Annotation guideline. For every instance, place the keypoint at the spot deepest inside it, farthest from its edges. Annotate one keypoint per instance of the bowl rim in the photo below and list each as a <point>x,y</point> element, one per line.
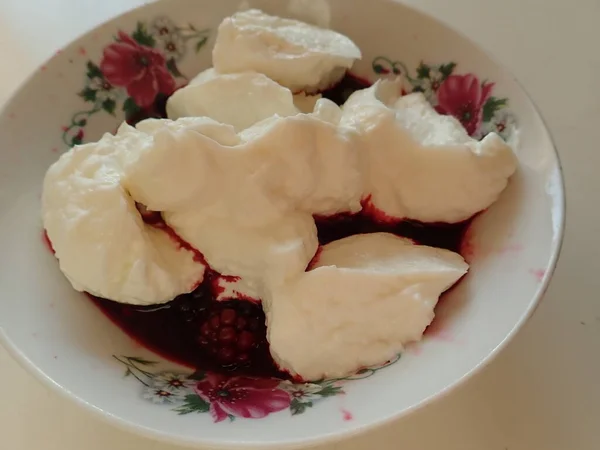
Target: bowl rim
<point>369,425</point>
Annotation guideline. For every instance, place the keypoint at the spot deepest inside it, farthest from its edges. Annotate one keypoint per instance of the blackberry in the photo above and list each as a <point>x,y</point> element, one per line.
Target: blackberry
<point>232,331</point>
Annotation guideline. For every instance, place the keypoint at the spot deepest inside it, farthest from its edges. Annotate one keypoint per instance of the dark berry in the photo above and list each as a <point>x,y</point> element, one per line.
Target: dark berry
<point>245,340</point>
<point>241,323</point>
<point>253,324</point>
<point>226,355</point>
<point>215,322</point>
<point>227,335</point>
<point>205,330</point>
<point>228,316</point>
<point>232,332</point>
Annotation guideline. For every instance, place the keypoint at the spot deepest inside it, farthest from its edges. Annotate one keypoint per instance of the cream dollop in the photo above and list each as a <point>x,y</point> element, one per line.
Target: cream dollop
<point>305,103</point>
<point>261,256</point>
<point>297,55</point>
<point>421,165</point>
<point>247,205</point>
<point>180,167</point>
<point>363,300</point>
<point>301,164</point>
<point>238,99</point>
<point>98,235</point>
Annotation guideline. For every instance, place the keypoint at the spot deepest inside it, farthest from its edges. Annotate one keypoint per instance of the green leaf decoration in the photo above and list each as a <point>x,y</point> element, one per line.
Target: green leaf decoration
<point>330,390</point>
<point>76,140</point>
<point>378,68</point>
<point>447,69</point>
<point>142,361</point>
<point>109,105</point>
<point>81,123</point>
<point>197,375</point>
<point>142,37</point>
<point>127,373</point>
<point>172,66</point>
<point>193,403</point>
<point>298,407</point>
<point>88,94</point>
<point>201,43</point>
<point>130,107</point>
<point>423,71</point>
<point>492,105</point>
<point>93,71</point>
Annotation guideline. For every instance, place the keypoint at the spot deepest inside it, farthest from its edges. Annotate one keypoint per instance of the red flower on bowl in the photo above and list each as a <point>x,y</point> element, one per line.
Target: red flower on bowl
<point>251,398</point>
<point>141,70</point>
<point>463,97</point>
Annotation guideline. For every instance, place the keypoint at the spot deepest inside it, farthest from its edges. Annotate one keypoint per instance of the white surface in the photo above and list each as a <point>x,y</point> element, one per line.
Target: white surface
<point>543,392</point>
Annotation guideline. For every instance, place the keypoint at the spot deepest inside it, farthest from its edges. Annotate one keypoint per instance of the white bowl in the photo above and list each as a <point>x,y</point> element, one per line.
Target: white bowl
<point>63,339</point>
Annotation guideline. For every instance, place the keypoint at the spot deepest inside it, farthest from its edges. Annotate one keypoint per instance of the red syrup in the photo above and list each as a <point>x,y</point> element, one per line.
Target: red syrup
<point>229,336</point>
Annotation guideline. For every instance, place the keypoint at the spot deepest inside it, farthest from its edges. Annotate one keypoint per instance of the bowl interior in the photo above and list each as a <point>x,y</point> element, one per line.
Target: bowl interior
<point>62,338</point>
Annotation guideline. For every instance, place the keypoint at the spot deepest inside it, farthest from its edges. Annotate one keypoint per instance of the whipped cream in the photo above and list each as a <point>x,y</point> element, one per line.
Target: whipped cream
<point>364,299</point>
<point>257,227</point>
<point>204,76</point>
<point>279,166</point>
<point>177,167</point>
<point>261,256</point>
<point>305,103</point>
<point>421,165</point>
<point>297,55</point>
<point>240,99</point>
<point>99,238</point>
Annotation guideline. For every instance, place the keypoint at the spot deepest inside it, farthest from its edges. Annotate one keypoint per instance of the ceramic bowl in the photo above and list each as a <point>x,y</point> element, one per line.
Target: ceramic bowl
<point>65,341</point>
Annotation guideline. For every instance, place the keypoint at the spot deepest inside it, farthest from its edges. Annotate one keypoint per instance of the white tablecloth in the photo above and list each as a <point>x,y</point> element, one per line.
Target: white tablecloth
<point>543,392</point>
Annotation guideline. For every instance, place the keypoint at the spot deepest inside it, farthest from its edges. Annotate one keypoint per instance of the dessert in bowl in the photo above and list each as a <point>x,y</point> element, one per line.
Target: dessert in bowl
<point>268,227</point>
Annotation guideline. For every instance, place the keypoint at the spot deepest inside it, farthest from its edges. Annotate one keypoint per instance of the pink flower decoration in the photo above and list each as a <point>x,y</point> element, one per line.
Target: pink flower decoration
<point>141,70</point>
<point>252,398</point>
<point>463,97</point>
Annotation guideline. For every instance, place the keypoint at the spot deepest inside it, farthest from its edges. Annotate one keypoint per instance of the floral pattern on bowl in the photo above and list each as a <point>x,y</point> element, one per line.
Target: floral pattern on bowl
<point>463,96</point>
<point>140,70</point>
<point>231,397</point>
<point>135,73</point>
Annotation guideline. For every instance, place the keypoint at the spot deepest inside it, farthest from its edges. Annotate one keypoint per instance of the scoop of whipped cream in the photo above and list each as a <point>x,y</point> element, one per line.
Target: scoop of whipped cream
<point>364,299</point>
<point>98,235</point>
<point>299,164</point>
<point>297,55</point>
<point>305,103</point>
<point>237,99</point>
<point>314,165</point>
<point>421,165</point>
<point>178,166</point>
<point>260,256</point>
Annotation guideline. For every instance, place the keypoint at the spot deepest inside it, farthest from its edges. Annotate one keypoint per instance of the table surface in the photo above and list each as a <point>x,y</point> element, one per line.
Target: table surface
<point>543,391</point>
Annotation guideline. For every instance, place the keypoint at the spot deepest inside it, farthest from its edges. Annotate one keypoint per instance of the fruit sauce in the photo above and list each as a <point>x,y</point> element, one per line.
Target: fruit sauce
<point>229,336</point>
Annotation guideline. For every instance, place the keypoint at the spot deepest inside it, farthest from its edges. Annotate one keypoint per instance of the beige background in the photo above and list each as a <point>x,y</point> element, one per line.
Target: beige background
<point>543,392</point>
